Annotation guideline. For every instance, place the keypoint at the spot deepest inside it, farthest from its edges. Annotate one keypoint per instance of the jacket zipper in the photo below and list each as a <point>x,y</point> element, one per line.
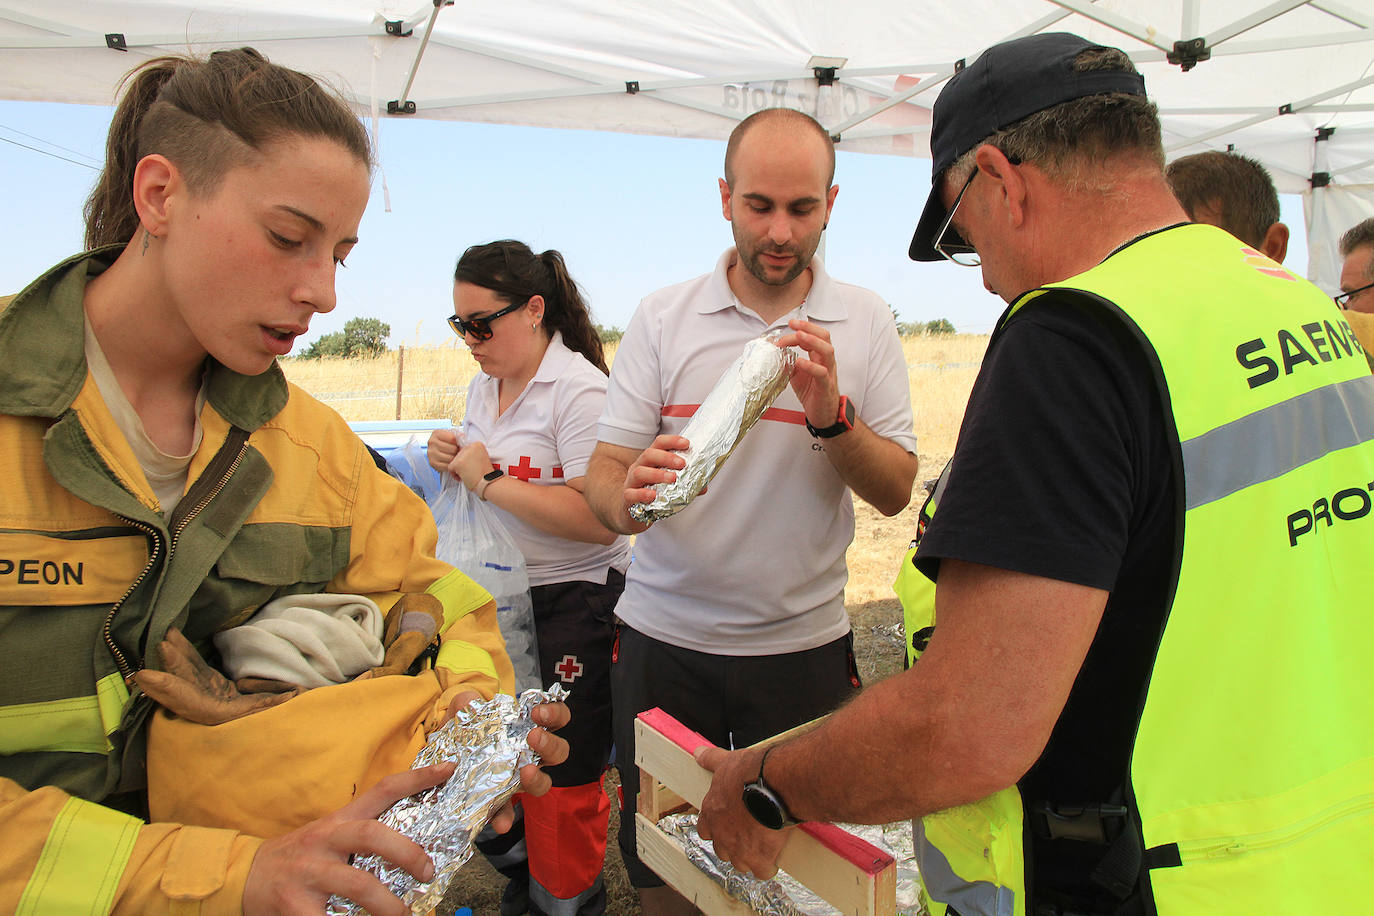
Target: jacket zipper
<point>125,668</point>
<point>179,524</point>
<point>1202,850</point>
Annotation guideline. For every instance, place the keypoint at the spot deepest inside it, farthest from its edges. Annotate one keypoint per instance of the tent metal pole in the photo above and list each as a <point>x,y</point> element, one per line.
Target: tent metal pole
<point>79,39</point>
<point>1352,168</point>
<point>1189,23</point>
<point>935,79</point>
<point>1240,48</point>
<point>1341,11</point>
<point>1136,30</point>
<point>1290,108</point>
<point>403,105</point>
<point>1255,19</point>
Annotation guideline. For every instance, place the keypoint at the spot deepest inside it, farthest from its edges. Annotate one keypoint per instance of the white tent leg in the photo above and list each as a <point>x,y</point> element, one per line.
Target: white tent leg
<point>402,105</point>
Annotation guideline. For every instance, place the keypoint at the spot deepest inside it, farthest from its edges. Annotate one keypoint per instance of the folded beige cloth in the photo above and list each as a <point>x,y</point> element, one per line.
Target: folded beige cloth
<point>308,640</point>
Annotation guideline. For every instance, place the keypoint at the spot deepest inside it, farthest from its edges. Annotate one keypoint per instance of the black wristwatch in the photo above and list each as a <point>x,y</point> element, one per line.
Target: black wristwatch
<point>843,424</point>
<point>764,804</point>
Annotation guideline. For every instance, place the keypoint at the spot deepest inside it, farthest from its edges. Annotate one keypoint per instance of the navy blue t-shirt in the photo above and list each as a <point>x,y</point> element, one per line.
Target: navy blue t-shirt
<point>1064,469</point>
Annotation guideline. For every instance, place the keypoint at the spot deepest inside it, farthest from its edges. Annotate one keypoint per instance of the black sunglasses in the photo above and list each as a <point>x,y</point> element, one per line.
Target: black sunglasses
<point>1343,300</point>
<point>480,328</point>
<point>948,241</point>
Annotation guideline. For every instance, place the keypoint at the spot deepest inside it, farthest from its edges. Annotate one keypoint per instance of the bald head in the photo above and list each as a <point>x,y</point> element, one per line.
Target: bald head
<point>781,126</point>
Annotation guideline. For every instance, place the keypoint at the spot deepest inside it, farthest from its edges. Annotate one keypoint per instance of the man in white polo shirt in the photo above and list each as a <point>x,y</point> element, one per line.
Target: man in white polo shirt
<point>733,614</point>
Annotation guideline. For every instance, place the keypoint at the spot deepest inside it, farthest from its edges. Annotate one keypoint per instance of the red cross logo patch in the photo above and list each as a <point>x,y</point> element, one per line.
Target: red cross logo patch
<point>569,669</point>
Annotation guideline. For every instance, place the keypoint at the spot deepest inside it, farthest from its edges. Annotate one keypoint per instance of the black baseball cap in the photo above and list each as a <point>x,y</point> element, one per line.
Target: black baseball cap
<point>1008,82</point>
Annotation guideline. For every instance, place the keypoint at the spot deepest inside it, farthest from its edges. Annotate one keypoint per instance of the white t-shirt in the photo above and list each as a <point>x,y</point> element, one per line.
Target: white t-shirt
<point>754,566</point>
<point>547,437</point>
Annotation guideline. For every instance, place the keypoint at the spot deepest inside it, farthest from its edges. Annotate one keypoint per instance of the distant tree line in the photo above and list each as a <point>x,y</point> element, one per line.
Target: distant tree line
<point>359,337</point>
<point>368,336</point>
<point>922,328</point>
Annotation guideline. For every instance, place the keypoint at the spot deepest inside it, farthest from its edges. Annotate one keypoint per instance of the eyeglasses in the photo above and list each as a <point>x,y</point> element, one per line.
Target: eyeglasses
<point>947,239</point>
<point>1343,300</point>
<point>480,328</point>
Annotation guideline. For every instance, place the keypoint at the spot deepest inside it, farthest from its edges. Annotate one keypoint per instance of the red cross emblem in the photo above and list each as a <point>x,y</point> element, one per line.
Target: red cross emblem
<point>524,470</point>
<point>569,669</point>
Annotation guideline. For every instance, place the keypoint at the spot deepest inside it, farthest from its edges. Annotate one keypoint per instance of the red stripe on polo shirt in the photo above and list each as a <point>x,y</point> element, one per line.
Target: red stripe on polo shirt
<point>777,414</point>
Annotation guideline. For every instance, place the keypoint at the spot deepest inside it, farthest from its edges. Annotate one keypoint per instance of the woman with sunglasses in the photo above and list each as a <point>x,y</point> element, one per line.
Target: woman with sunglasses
<point>528,432</point>
<point>161,474</point>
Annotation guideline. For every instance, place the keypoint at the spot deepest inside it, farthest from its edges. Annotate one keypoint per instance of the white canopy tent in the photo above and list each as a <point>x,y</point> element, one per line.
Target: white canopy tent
<point>1289,82</point>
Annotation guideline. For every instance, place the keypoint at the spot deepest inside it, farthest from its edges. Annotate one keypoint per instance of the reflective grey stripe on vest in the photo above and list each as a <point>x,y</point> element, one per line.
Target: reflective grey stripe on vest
<point>1271,442</point>
<point>970,898</point>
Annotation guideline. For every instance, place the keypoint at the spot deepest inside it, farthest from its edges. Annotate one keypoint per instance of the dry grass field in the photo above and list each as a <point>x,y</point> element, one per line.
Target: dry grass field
<point>433,383</point>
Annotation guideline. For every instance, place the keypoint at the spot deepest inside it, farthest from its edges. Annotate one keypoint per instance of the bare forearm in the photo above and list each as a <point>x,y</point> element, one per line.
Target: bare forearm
<point>558,510</point>
<point>605,491</point>
<point>878,470</point>
<point>889,755</point>
<point>969,718</point>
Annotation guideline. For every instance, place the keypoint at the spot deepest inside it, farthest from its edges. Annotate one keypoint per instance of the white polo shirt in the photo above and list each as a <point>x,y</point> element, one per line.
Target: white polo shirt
<point>547,437</point>
<point>754,566</point>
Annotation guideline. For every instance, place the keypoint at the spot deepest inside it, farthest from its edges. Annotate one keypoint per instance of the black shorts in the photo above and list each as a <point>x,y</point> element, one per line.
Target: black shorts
<point>731,700</point>
<point>574,624</point>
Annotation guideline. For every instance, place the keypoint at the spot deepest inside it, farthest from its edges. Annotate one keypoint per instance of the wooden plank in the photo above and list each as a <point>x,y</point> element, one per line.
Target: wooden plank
<point>852,875</point>
<point>663,747</point>
<point>655,800</point>
<point>661,853</point>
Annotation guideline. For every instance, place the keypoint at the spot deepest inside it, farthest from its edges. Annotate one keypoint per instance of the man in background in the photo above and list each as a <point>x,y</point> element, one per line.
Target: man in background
<point>733,615</point>
<point>1357,283</point>
<point>1232,192</point>
<point>1357,270</point>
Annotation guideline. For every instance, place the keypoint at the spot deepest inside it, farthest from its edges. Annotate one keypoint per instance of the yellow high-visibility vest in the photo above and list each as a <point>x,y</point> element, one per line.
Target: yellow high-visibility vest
<point>1251,777</point>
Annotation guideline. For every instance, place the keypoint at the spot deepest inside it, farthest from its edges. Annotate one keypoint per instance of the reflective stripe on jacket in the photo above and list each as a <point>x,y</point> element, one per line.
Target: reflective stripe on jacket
<point>1250,774</point>
<point>281,498</point>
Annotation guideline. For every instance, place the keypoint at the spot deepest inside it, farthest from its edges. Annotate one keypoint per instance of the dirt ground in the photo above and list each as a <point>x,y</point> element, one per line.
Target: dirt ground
<point>878,547</point>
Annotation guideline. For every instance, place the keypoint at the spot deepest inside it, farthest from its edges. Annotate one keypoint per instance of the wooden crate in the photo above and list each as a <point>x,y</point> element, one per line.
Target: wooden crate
<point>850,874</point>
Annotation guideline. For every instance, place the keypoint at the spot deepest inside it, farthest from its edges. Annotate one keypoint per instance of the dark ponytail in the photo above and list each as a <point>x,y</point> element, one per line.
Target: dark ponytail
<point>208,116</point>
<point>515,273</point>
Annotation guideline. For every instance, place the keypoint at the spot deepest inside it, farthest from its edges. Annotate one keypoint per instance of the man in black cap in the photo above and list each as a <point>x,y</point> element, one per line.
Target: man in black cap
<point>1167,456</point>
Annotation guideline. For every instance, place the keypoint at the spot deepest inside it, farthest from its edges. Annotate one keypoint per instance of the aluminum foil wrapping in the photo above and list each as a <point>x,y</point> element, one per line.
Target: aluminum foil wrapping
<point>487,741</point>
<point>783,895</point>
<point>740,396</point>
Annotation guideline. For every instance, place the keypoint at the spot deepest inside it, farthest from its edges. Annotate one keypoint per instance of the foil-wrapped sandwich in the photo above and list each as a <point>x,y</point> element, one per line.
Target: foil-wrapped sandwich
<point>487,742</point>
<point>740,396</point>
<point>783,895</point>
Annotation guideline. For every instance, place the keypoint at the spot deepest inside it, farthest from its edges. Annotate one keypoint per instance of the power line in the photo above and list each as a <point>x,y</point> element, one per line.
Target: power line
<point>35,149</point>
<point>65,149</point>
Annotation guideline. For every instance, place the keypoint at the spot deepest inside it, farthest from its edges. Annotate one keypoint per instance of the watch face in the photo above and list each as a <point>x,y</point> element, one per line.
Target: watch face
<point>763,806</point>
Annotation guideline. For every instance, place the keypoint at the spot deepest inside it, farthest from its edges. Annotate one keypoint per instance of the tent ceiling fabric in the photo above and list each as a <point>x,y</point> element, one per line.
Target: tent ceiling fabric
<point>1278,71</point>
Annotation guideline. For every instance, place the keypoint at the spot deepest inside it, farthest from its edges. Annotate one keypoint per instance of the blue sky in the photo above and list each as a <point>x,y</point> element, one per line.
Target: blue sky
<point>630,213</point>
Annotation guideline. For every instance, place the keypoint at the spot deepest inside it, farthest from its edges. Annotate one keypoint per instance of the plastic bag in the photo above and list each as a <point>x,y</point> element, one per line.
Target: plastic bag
<point>473,538</point>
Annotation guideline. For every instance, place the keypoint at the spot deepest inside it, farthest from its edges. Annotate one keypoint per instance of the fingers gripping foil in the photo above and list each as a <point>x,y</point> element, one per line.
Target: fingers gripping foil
<point>740,396</point>
<point>487,742</point>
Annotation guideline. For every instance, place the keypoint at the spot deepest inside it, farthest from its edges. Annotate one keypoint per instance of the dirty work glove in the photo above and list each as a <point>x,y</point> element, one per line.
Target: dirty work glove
<point>191,689</point>
<point>411,625</point>
<point>265,685</point>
